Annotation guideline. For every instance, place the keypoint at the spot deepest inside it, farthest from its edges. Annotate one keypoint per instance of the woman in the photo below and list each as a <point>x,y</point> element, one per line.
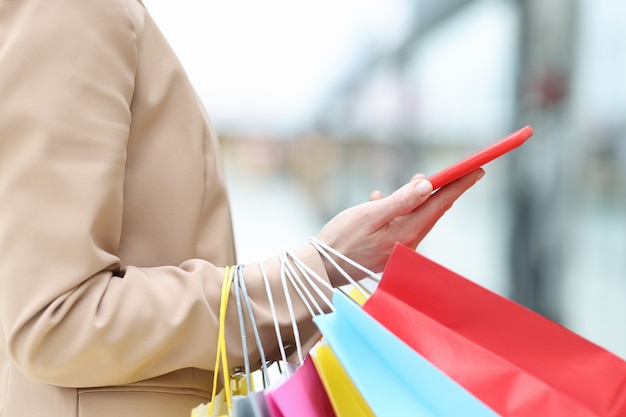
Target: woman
<point>114,220</point>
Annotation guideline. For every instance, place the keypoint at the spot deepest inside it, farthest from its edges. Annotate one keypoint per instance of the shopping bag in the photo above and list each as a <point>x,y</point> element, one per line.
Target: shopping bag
<point>216,408</point>
<point>514,360</point>
<point>254,404</point>
<point>392,378</point>
<point>346,399</point>
<point>302,395</point>
<point>221,403</point>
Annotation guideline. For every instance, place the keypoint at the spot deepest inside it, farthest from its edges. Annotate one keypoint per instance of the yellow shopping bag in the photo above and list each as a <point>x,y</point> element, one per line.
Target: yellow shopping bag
<point>346,400</point>
<point>358,296</point>
<point>220,408</point>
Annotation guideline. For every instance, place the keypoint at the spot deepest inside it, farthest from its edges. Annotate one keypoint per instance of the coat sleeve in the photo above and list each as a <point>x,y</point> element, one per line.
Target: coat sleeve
<point>71,313</point>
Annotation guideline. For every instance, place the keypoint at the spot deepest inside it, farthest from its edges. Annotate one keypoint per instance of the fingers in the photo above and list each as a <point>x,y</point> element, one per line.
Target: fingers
<point>441,201</point>
<point>403,201</point>
<point>376,195</point>
<point>368,231</point>
<point>459,186</point>
<point>419,176</point>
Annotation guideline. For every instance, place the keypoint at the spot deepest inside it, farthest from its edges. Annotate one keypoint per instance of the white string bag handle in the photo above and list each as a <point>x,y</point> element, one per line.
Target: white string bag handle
<point>292,314</point>
<point>246,403</point>
<point>268,290</point>
<point>244,290</point>
<point>242,327</point>
<point>297,282</point>
<point>289,274</point>
<point>307,273</point>
<point>288,271</point>
<point>324,250</point>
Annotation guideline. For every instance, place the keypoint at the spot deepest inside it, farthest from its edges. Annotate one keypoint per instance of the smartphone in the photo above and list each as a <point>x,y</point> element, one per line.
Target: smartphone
<point>480,158</point>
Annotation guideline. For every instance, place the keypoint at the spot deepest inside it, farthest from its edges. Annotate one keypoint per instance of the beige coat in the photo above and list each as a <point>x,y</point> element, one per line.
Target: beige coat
<point>114,220</point>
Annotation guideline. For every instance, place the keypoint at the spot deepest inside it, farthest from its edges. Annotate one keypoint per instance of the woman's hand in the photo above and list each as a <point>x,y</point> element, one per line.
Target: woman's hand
<point>367,233</point>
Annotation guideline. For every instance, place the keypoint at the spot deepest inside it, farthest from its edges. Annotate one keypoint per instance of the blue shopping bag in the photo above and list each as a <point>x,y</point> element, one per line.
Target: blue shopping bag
<point>392,377</point>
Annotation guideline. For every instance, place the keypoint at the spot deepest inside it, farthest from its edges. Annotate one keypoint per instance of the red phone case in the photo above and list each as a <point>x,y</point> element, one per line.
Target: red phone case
<point>480,158</point>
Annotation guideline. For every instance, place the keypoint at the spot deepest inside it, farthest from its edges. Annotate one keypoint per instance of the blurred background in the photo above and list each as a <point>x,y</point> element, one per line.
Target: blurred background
<point>318,103</point>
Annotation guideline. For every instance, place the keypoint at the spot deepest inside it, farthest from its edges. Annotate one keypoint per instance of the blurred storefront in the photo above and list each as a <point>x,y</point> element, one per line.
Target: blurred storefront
<point>319,103</point>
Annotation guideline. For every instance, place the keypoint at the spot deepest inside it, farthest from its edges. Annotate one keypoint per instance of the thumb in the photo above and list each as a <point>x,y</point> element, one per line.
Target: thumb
<point>376,195</point>
<point>402,201</point>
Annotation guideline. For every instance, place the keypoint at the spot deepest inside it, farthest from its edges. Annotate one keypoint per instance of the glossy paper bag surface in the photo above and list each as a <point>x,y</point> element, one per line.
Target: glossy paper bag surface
<point>345,398</point>
<point>393,379</point>
<point>301,395</point>
<point>516,361</point>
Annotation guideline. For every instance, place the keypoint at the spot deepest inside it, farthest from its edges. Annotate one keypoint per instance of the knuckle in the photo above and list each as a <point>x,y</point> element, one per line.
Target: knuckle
<point>445,204</point>
<point>404,202</point>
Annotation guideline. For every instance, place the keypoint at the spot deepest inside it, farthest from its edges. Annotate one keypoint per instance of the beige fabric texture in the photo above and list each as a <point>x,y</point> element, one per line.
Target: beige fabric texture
<point>114,220</point>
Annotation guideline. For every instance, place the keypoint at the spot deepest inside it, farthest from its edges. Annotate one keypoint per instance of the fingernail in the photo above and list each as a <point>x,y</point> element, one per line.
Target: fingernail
<point>424,187</point>
<point>480,175</point>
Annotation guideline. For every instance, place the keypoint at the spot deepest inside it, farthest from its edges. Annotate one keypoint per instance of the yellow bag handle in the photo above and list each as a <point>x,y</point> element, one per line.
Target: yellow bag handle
<point>221,341</point>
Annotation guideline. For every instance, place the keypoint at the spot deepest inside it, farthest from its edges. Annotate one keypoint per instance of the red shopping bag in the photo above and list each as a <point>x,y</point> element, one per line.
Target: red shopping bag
<point>517,362</point>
